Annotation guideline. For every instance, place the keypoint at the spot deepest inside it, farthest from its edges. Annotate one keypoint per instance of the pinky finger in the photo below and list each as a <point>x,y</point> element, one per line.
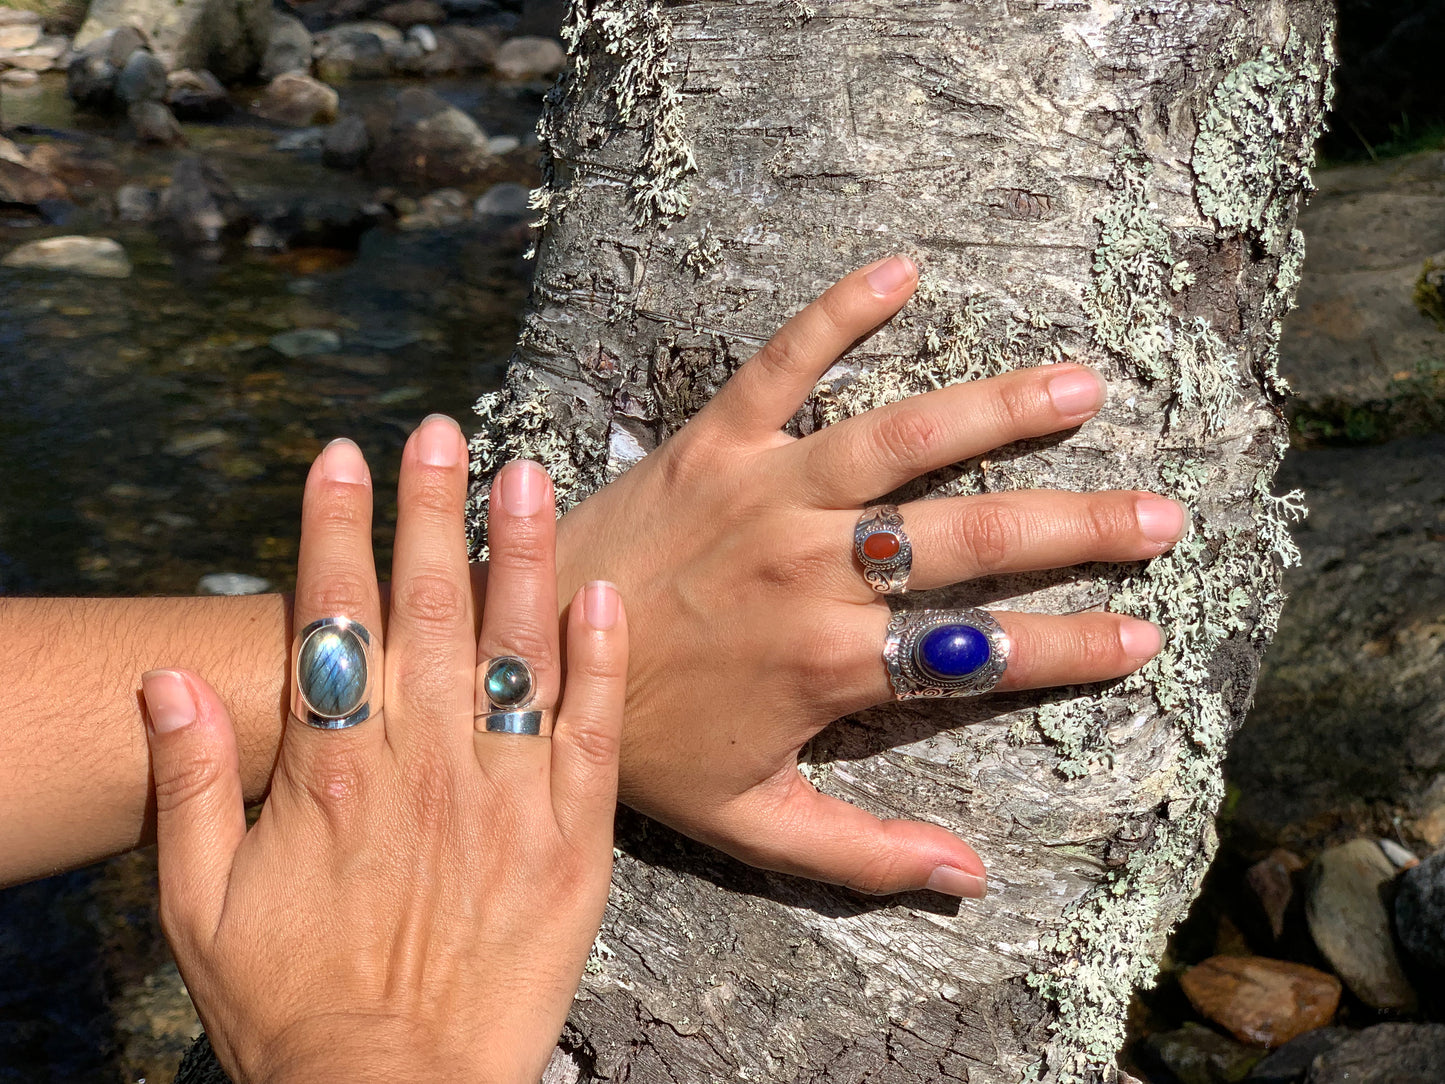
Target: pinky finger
<point>1045,651</point>
<point>588,735</point>
<point>200,810</point>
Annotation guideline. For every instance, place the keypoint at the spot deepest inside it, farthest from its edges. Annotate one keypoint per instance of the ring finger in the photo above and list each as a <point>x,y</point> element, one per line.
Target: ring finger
<point>335,578</point>
<point>955,539</point>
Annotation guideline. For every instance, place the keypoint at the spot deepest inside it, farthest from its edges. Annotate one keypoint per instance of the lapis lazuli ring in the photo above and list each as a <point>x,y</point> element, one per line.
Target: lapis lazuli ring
<point>334,674</point>
<point>508,688</point>
<point>883,549</point>
<point>934,653</point>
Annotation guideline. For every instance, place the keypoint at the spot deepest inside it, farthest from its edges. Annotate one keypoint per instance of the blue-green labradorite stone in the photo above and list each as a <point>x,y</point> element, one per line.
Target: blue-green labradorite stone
<point>509,684</point>
<point>332,672</point>
<point>952,652</point>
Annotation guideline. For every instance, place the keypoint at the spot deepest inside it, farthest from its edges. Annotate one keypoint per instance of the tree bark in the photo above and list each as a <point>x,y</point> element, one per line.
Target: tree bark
<point>1109,181</point>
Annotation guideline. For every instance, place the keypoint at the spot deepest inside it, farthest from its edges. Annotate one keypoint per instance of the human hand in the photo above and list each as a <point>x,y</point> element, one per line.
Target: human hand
<point>418,898</point>
<point>735,541</point>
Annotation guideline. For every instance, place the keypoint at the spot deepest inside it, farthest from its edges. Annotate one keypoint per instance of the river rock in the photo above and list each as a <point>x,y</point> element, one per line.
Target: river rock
<point>408,13</point>
<point>1261,1001</point>
<point>428,141</point>
<point>1348,919</point>
<point>346,143</point>
<point>1272,881</point>
<point>1430,814</point>
<point>529,58</point>
<point>226,37</point>
<point>154,123</point>
<point>505,201</point>
<point>142,79</point>
<point>28,187</point>
<point>23,35</point>
<point>424,36</point>
<point>51,51</point>
<point>1194,1055</point>
<point>289,49</point>
<point>1385,1054</point>
<point>346,52</point>
<point>197,96</point>
<point>99,257</point>
<point>16,77</point>
<point>1290,1063</point>
<point>297,100</point>
<point>136,203</point>
<point>200,207</point>
<point>1420,914</point>
<point>232,583</point>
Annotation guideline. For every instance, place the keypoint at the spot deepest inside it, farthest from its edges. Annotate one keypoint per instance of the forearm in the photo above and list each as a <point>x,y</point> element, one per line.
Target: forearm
<point>74,767</point>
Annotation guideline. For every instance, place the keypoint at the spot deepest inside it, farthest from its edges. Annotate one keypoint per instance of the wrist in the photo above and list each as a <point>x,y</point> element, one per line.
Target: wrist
<point>348,1050</point>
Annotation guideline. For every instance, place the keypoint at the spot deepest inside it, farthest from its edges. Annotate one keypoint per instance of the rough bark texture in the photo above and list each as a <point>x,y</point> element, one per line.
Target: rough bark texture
<point>1110,182</point>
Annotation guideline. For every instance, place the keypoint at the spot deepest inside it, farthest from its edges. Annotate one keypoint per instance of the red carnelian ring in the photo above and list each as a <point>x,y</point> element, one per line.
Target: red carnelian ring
<point>883,549</point>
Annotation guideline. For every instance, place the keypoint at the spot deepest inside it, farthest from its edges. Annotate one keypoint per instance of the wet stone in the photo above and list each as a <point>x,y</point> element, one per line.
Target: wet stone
<point>98,257</point>
<point>1420,914</point>
<point>1259,1000</point>
<point>305,342</point>
<point>1385,1054</point>
<point>1290,1063</point>
<point>232,583</point>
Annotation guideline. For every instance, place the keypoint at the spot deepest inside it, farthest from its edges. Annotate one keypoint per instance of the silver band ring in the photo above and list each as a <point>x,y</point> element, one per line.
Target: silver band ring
<point>938,653</point>
<point>333,674</point>
<point>507,689</point>
<point>883,549</point>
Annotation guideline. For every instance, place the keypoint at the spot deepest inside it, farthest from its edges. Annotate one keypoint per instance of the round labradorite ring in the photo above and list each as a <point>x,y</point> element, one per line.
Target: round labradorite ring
<point>883,549</point>
<point>333,674</point>
<point>508,686</point>
<point>935,653</point>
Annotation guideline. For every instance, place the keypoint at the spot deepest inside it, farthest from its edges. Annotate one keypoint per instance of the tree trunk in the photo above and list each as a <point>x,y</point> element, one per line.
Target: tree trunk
<point>1110,182</point>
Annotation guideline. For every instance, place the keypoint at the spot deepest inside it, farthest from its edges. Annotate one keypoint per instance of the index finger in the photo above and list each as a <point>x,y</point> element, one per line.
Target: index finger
<point>770,387</point>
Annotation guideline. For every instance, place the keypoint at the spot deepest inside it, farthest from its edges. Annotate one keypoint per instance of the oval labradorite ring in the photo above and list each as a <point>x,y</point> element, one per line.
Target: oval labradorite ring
<point>333,674</point>
<point>935,653</point>
<point>508,686</point>
<point>883,549</point>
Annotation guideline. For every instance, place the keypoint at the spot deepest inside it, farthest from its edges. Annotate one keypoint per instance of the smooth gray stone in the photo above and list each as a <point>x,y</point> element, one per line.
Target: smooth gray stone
<point>306,342</point>
<point>1420,915</point>
<point>1385,1054</point>
<point>232,583</point>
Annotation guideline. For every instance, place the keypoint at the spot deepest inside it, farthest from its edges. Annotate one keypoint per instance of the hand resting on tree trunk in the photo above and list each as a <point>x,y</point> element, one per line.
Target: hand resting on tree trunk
<point>753,627</point>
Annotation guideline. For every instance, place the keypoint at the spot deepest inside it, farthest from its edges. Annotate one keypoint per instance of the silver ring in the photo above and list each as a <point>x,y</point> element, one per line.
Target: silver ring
<point>333,674</point>
<point>508,687</point>
<point>936,653</point>
<point>883,549</point>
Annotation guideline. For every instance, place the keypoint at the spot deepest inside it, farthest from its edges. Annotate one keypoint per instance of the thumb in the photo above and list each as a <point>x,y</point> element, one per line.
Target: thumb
<point>200,809</point>
<point>812,835</point>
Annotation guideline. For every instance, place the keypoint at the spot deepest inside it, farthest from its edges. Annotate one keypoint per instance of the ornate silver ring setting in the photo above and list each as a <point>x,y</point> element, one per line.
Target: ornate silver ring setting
<point>883,549</point>
<point>935,653</point>
<point>333,674</point>
<point>508,687</point>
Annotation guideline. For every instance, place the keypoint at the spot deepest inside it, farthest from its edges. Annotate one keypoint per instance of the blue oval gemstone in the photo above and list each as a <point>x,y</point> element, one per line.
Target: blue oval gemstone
<point>952,652</point>
<point>331,670</point>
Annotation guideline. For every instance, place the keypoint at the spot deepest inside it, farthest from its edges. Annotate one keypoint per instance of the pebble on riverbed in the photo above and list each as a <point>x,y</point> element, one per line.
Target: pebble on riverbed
<point>298,101</point>
<point>99,257</point>
<point>1261,1001</point>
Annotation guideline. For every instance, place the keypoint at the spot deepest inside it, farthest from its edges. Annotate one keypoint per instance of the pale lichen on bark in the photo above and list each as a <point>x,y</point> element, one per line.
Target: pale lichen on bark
<point>1037,165</point>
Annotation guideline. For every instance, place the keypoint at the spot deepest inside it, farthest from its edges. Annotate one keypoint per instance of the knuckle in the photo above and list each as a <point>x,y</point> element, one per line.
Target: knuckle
<point>339,591</point>
<point>597,741</point>
<point>1107,521</point>
<point>339,511</point>
<point>185,782</point>
<point>784,355</point>
<point>991,536</point>
<point>1019,404</point>
<point>903,432</point>
<point>434,492</point>
<point>527,641</point>
<point>1098,647</point>
<point>877,875</point>
<point>432,598</point>
<point>833,309</point>
<point>430,791</point>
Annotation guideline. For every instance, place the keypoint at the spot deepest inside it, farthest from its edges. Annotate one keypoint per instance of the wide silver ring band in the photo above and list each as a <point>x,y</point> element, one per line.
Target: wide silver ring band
<point>335,665</point>
<point>904,651</point>
<point>882,524</point>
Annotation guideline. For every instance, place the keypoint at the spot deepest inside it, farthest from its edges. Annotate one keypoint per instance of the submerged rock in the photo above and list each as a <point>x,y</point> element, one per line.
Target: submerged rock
<point>1261,1001</point>
<point>154,123</point>
<point>428,141</point>
<point>346,143</point>
<point>197,96</point>
<point>298,101</point>
<point>1420,914</point>
<point>28,187</point>
<point>289,48</point>
<point>1350,924</point>
<point>200,207</point>
<point>99,257</point>
<point>305,342</point>
<point>142,79</point>
<point>232,583</point>
<point>506,200</point>
<point>1385,1054</point>
<point>408,13</point>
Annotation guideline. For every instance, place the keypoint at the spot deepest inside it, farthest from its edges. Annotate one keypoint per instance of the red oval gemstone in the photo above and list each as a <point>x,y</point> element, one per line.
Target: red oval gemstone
<point>881,546</point>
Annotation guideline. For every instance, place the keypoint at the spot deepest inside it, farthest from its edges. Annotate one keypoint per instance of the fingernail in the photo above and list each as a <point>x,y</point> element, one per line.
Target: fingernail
<point>599,605</point>
<point>169,705</point>
<point>1140,639</point>
<point>342,461</point>
<point>523,487</point>
<point>1080,391</point>
<point>889,275</point>
<point>1160,519</point>
<point>954,882</point>
<point>438,442</point>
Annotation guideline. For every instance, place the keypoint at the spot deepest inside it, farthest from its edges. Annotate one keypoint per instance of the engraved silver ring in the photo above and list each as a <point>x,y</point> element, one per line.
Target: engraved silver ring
<point>883,549</point>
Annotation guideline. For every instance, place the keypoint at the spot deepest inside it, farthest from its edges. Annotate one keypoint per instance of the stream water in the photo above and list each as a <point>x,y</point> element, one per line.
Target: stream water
<point>151,433</point>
